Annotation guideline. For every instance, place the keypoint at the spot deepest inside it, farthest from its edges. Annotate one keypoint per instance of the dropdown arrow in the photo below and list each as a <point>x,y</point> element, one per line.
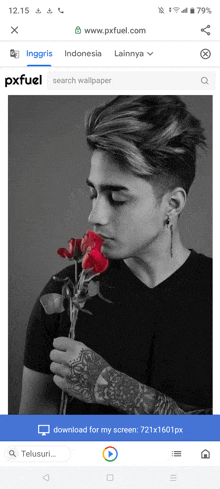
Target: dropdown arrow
<point>150,53</point>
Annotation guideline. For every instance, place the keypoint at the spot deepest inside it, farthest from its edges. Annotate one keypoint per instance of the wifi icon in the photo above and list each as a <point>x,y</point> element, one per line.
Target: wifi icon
<point>176,9</point>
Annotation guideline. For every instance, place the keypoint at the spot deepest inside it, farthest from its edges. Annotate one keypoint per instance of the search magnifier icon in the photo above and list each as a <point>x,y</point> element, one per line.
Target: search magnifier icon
<point>205,80</point>
<point>12,453</point>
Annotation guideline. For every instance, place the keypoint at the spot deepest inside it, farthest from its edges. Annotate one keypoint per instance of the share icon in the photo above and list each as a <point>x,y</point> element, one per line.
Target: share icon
<point>204,30</point>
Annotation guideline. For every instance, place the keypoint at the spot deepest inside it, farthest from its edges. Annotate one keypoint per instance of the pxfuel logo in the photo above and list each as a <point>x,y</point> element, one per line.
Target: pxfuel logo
<point>23,79</point>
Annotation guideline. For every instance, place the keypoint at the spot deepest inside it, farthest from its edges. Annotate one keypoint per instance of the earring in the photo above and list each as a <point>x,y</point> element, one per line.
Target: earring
<point>167,222</point>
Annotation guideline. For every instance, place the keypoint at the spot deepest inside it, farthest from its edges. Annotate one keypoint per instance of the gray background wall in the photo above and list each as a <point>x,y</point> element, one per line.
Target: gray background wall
<point>48,200</point>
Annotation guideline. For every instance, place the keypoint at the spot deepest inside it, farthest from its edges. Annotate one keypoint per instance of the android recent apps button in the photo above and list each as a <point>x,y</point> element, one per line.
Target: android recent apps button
<point>110,454</point>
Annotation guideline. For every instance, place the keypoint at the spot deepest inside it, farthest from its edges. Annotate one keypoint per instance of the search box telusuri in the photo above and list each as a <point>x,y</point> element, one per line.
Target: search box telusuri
<point>37,453</point>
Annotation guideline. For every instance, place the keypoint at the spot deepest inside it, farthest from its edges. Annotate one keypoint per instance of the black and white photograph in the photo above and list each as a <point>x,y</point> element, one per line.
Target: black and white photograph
<point>110,254</point>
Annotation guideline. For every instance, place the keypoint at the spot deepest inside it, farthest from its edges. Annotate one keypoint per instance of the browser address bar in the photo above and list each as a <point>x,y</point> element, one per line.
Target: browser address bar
<point>119,80</point>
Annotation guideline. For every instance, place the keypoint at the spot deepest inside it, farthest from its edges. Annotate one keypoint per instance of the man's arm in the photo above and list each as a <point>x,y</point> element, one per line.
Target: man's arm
<point>39,393</point>
<point>84,374</point>
<point>128,395</point>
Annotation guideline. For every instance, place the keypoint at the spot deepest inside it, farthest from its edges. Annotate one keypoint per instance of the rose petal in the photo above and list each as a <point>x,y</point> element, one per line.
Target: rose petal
<point>71,245</point>
<point>64,253</point>
<point>95,260</point>
<point>91,240</point>
<point>78,244</point>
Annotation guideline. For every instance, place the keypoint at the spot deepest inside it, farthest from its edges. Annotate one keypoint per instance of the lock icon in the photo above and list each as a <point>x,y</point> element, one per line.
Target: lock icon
<point>77,30</point>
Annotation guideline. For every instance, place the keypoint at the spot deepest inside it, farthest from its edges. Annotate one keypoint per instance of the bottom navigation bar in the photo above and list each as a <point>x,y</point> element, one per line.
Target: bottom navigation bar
<point>111,477</point>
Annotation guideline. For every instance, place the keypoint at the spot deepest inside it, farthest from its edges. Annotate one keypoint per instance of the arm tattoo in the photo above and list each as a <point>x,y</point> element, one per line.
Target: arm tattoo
<point>124,393</point>
<point>84,372</point>
<point>130,396</point>
<point>166,405</point>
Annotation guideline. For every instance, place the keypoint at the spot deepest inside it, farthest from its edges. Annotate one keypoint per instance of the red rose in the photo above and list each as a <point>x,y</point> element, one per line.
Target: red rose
<point>74,251</point>
<point>91,240</point>
<point>95,260</point>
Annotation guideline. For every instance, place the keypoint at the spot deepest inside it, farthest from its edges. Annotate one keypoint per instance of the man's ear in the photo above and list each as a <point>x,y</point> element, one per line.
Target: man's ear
<point>177,202</point>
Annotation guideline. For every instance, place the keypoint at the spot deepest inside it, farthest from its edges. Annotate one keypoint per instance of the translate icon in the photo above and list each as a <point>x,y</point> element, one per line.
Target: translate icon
<point>43,429</point>
<point>14,53</point>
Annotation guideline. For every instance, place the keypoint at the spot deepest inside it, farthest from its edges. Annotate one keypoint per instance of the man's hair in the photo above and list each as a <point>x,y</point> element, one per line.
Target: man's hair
<point>155,137</point>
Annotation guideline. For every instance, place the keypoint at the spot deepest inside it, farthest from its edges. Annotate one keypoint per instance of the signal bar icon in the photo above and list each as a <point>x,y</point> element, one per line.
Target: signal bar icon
<point>185,11</point>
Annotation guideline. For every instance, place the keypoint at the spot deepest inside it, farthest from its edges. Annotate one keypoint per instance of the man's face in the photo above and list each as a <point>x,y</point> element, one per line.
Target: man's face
<point>124,209</point>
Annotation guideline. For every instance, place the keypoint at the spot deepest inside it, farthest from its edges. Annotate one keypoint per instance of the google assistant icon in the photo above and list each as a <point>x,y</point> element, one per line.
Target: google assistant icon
<point>110,454</point>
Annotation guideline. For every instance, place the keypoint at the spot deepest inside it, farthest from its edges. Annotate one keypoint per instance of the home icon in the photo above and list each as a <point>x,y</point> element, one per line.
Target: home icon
<point>205,454</point>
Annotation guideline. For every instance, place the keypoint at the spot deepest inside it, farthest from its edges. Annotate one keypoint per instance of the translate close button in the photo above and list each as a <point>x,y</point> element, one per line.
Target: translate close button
<point>205,53</point>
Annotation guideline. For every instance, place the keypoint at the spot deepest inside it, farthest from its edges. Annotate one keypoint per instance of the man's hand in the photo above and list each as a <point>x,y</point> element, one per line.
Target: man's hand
<point>87,376</point>
<point>84,374</point>
<point>76,368</point>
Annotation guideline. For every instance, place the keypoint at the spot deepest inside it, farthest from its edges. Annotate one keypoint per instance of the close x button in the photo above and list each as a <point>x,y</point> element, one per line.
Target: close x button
<point>14,30</point>
<point>205,54</point>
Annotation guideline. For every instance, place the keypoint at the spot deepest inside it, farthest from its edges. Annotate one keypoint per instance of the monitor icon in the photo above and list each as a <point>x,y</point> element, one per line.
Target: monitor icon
<point>43,429</point>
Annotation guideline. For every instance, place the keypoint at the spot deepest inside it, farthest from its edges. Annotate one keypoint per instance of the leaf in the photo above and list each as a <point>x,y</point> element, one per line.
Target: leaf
<point>52,303</point>
<point>93,288</point>
<point>104,298</point>
<point>88,312</point>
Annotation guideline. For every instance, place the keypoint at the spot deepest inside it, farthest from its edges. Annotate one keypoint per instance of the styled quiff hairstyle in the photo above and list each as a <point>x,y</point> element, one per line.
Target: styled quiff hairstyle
<point>154,137</point>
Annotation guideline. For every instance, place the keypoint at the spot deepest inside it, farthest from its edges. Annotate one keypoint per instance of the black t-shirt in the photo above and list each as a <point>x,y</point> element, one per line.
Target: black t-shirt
<point>160,336</point>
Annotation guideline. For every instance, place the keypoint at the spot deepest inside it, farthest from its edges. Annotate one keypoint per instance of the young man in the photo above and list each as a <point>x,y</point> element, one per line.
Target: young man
<point>149,351</point>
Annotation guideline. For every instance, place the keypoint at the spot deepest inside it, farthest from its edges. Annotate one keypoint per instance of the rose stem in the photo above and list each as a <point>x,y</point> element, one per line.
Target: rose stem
<point>73,319</point>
